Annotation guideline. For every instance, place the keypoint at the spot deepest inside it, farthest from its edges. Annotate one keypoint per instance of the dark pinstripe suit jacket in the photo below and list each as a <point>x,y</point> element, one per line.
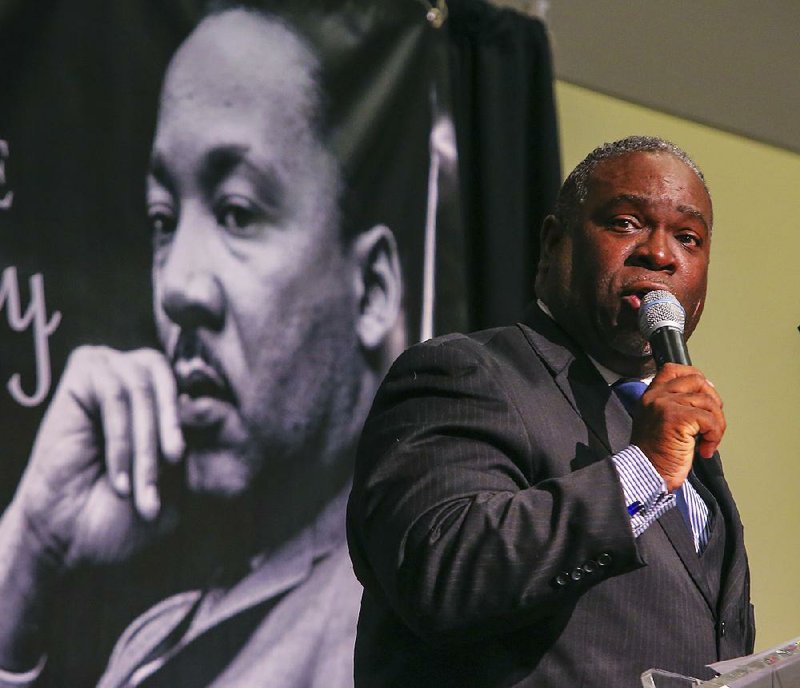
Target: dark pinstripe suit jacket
<point>482,475</point>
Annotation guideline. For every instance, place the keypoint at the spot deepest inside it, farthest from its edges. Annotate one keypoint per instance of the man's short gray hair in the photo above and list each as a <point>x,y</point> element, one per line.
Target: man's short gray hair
<point>575,189</point>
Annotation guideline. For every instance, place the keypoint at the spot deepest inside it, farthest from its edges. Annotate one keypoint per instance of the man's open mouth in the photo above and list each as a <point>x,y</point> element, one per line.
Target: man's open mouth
<point>197,371</point>
<point>633,294</point>
<point>196,379</point>
<point>204,395</point>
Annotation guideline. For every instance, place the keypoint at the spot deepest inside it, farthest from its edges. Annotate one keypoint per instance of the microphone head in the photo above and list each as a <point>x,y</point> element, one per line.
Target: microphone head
<point>660,309</point>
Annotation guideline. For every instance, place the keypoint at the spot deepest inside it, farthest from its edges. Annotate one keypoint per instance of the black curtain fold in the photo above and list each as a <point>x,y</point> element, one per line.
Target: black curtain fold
<point>509,162</point>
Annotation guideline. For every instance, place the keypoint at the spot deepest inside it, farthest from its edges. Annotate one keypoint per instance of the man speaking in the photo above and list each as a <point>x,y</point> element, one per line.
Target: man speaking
<point>519,516</point>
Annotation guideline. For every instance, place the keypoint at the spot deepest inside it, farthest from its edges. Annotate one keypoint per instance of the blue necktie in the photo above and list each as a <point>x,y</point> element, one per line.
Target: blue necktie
<point>629,393</point>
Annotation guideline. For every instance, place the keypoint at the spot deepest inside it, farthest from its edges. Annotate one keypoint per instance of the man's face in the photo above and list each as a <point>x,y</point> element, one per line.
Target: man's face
<point>646,224</point>
<point>253,288</point>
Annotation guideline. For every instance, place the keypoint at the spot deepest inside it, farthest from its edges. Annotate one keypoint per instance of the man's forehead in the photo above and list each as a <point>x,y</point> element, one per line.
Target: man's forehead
<point>642,165</point>
<point>650,175</point>
<point>240,77</point>
<point>241,53</point>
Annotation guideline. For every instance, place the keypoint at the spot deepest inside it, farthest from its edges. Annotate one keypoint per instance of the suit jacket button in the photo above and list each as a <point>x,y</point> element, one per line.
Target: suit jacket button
<point>604,559</point>
<point>721,629</point>
<point>562,579</point>
<point>590,566</point>
<point>576,574</point>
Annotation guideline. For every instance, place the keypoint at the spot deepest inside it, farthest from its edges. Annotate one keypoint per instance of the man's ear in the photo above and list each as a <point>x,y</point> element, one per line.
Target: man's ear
<point>379,285</point>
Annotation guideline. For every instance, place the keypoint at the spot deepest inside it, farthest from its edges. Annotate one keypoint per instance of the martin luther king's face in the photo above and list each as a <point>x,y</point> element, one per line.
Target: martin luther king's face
<point>253,287</point>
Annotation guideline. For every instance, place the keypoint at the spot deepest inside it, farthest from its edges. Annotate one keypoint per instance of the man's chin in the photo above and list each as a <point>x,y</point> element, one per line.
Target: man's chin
<point>633,347</point>
<point>626,339</point>
<point>630,355</point>
<point>217,473</point>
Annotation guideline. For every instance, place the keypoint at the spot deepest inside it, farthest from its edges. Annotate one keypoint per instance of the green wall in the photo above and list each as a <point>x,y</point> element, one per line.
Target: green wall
<point>747,342</point>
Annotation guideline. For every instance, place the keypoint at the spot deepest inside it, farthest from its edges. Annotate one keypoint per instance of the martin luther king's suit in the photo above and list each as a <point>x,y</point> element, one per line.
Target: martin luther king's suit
<point>488,526</point>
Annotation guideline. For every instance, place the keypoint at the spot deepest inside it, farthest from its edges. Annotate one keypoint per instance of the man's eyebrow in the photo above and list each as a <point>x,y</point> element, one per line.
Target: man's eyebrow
<point>642,201</point>
<point>215,165</point>
<point>219,162</point>
<point>694,212</point>
<point>623,198</point>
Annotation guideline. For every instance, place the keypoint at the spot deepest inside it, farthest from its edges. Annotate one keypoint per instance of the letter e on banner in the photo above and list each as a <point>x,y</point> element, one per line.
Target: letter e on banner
<point>7,198</point>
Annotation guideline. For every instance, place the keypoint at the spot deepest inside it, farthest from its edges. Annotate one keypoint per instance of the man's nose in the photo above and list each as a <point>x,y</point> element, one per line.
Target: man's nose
<point>655,251</point>
<point>190,291</point>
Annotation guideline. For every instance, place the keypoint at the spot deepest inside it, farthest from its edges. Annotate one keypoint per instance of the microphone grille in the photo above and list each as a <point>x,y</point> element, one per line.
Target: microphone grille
<point>660,309</point>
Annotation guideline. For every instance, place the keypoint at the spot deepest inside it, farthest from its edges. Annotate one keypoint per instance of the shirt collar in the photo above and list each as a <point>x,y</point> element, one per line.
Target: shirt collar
<point>273,573</point>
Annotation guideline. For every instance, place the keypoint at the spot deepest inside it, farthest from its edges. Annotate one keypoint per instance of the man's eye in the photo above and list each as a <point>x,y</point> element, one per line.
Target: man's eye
<point>622,223</point>
<point>236,215</point>
<point>161,220</point>
<point>689,239</point>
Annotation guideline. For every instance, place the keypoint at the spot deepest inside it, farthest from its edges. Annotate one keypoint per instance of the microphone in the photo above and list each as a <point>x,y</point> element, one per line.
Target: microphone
<point>661,320</point>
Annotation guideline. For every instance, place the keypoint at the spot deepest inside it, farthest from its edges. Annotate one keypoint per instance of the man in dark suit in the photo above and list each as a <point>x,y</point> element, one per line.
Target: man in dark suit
<point>512,523</point>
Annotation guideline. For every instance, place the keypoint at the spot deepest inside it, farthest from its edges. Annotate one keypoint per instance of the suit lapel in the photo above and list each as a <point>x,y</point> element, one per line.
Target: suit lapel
<point>680,538</point>
<point>734,573</point>
<point>579,381</point>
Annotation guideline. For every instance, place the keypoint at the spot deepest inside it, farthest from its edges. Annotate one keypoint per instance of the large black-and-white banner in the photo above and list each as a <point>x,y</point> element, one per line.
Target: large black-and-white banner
<point>219,224</point>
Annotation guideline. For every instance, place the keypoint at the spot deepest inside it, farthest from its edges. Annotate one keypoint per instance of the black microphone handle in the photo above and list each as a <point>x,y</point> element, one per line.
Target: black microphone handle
<point>669,346</point>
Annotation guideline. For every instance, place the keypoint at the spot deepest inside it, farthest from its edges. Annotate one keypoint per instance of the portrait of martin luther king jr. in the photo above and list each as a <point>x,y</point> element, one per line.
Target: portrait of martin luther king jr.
<point>279,306</point>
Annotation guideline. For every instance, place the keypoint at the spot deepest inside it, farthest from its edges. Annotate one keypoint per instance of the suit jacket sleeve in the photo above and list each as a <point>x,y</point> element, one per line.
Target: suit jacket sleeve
<point>462,516</point>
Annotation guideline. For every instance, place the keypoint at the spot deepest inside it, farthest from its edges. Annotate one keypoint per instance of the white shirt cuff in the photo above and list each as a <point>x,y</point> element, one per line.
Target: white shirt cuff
<point>646,495</point>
